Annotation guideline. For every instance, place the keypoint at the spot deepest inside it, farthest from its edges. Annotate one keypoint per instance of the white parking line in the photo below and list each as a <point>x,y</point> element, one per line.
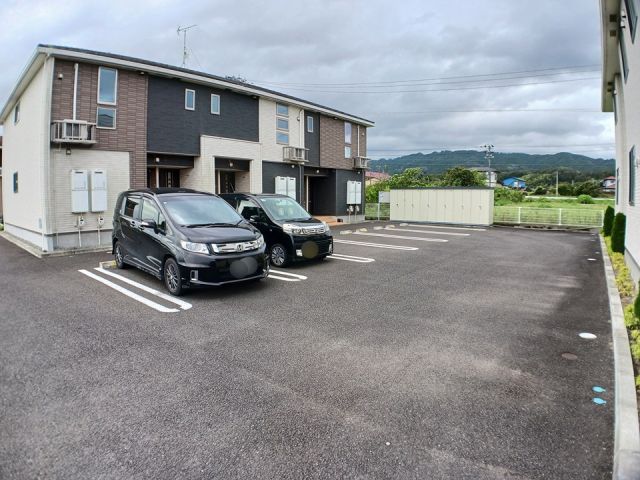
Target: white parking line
<point>351,258</point>
<point>128,293</point>
<point>402,237</point>
<point>442,226</point>
<point>455,234</point>
<point>375,245</point>
<point>182,304</point>
<point>286,276</point>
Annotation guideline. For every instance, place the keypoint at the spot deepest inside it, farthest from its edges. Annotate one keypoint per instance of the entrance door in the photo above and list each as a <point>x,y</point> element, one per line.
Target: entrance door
<point>163,177</point>
<point>226,182</point>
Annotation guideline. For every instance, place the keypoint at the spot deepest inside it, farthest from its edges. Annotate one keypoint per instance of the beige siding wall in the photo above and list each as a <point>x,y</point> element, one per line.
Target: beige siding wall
<point>25,147</point>
<point>202,176</point>
<point>130,134</point>
<point>271,150</point>
<point>116,165</point>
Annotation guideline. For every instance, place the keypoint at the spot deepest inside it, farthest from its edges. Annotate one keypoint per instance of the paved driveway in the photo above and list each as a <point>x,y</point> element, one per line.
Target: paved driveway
<point>406,357</point>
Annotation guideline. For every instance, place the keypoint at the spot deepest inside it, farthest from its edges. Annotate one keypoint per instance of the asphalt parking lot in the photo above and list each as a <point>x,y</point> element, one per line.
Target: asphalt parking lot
<point>417,352</point>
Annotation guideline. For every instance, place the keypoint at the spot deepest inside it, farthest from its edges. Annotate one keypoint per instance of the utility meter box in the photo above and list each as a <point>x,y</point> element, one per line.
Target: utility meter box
<point>286,186</point>
<point>79,191</point>
<point>354,193</point>
<point>98,190</point>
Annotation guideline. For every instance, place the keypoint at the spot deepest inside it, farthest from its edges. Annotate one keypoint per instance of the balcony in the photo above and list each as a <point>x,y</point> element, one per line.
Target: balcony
<point>73,131</point>
<point>296,154</point>
<point>360,163</point>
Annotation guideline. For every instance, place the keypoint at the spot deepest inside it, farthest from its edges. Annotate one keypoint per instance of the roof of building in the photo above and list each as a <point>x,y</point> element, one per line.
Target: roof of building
<point>514,178</point>
<point>609,27</point>
<point>160,69</point>
<point>609,178</point>
<point>378,175</point>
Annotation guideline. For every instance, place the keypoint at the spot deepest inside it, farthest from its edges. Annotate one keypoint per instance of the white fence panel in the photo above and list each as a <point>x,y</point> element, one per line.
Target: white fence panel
<point>466,206</point>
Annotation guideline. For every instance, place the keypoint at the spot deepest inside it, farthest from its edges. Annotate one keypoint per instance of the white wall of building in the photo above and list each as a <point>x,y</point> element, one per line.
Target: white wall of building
<point>25,151</point>
<point>628,136</point>
<point>271,150</point>
<point>202,177</point>
<point>116,165</point>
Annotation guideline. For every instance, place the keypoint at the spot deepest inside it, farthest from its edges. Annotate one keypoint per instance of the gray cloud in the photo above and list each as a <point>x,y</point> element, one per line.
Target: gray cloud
<point>348,41</point>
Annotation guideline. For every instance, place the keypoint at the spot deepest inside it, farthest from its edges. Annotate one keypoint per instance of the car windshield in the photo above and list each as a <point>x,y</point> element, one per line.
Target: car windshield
<point>284,208</point>
<point>200,210</point>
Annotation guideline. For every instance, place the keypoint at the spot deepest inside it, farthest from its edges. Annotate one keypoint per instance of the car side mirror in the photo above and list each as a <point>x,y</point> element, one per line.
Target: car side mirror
<point>254,218</point>
<point>150,224</point>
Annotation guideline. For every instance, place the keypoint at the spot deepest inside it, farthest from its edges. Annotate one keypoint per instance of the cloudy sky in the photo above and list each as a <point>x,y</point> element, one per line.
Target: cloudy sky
<point>433,75</point>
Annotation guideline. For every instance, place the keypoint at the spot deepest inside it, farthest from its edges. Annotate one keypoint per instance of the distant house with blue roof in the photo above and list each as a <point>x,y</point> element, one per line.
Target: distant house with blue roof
<point>514,182</point>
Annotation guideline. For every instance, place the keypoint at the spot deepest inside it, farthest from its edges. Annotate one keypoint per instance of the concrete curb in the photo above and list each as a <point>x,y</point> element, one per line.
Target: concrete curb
<point>626,453</point>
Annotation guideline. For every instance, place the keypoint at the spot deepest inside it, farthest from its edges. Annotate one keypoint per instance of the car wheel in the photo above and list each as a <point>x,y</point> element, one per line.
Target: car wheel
<point>119,256</point>
<point>172,279</point>
<point>279,256</point>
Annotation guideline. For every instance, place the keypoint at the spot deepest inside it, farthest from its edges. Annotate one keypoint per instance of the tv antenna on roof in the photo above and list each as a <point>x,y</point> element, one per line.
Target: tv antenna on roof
<point>183,31</point>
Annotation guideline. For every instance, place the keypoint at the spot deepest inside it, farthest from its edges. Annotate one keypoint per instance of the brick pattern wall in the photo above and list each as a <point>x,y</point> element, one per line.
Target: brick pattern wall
<point>130,134</point>
<point>332,143</point>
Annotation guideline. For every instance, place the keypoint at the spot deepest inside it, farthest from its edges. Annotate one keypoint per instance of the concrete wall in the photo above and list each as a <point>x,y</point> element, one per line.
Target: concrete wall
<point>466,206</point>
<point>25,151</point>
<point>130,134</point>
<point>271,150</point>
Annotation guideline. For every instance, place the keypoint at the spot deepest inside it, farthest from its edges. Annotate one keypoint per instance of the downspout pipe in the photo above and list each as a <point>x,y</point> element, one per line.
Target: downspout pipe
<point>75,90</point>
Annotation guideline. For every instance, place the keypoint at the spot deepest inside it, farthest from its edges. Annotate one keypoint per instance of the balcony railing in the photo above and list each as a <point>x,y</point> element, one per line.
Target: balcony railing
<point>73,131</point>
<point>296,154</point>
<point>360,163</point>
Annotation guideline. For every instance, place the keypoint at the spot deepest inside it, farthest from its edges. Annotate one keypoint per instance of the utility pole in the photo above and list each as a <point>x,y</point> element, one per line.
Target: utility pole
<point>556,183</point>
<point>488,156</point>
<point>185,55</point>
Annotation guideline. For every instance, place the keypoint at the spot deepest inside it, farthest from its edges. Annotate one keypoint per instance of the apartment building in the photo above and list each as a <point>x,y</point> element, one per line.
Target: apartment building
<point>81,126</point>
<point>621,95</point>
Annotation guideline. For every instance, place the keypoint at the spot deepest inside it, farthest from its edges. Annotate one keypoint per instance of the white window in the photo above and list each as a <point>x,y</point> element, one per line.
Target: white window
<point>215,104</point>
<point>107,85</point>
<point>106,117</point>
<point>347,151</point>
<point>347,133</point>
<point>310,124</point>
<point>282,138</point>
<point>282,124</point>
<point>189,99</point>
<point>282,110</point>
<point>16,114</point>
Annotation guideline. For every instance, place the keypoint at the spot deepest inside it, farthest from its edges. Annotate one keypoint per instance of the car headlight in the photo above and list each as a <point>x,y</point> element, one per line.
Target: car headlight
<point>290,228</point>
<point>259,241</point>
<point>326,227</point>
<point>194,247</point>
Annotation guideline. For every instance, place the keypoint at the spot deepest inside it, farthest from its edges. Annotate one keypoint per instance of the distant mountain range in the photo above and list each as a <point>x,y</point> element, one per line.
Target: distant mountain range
<point>514,163</point>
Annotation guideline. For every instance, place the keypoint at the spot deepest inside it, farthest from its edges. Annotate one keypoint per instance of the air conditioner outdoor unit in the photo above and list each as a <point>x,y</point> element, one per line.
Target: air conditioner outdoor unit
<point>361,163</point>
<point>295,154</point>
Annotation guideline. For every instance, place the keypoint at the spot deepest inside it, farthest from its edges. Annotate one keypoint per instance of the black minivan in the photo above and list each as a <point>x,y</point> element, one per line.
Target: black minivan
<point>186,238</point>
<point>288,229</point>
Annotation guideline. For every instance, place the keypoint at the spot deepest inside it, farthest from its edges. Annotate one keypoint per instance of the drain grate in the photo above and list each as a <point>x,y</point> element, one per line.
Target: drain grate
<point>569,356</point>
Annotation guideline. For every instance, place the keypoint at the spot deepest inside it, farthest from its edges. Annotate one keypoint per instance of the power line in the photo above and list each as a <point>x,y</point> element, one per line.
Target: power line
<point>479,87</point>
<point>566,69</point>
<point>453,82</point>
